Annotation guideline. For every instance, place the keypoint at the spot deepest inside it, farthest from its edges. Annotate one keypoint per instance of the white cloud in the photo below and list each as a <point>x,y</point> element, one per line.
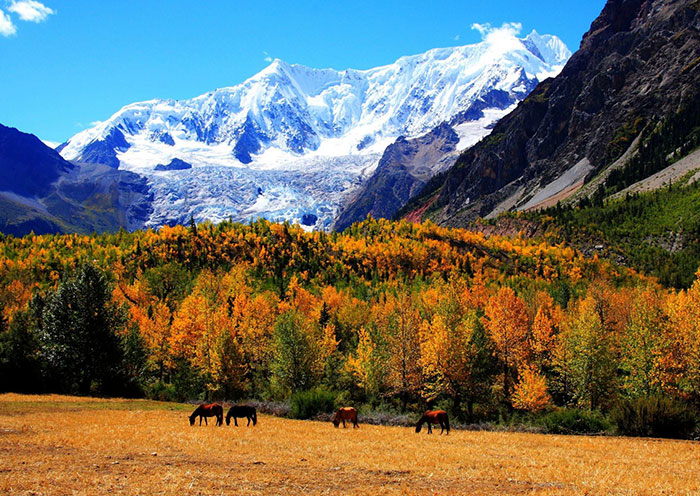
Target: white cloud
<point>499,39</point>
<point>457,37</point>
<point>267,57</point>
<point>6,26</point>
<point>95,123</point>
<point>509,29</point>
<point>30,10</point>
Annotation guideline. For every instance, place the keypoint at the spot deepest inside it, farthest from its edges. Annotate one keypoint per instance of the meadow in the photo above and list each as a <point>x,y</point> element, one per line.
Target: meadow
<point>55,445</point>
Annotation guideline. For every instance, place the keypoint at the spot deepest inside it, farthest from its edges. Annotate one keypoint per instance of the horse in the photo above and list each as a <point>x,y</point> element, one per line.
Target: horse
<point>343,414</point>
<point>434,417</point>
<point>204,411</point>
<point>240,411</point>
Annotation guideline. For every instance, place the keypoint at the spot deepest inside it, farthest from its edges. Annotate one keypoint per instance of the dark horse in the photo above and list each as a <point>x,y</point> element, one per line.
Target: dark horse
<point>434,417</point>
<point>240,411</point>
<point>345,413</point>
<point>204,411</point>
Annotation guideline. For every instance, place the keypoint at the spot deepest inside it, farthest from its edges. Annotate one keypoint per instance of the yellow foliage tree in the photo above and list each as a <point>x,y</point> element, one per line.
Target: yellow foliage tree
<point>530,392</point>
<point>364,365</point>
<point>506,320</point>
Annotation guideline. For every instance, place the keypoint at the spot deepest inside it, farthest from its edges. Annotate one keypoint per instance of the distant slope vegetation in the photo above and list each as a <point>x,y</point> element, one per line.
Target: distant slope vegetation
<point>635,76</point>
<point>41,192</point>
<point>656,232</point>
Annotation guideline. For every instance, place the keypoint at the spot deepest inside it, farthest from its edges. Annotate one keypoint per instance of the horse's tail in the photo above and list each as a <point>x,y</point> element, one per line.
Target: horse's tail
<point>447,423</point>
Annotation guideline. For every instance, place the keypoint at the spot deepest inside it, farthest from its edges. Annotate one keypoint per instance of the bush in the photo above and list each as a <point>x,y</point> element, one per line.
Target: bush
<point>574,421</point>
<point>654,417</point>
<point>162,391</point>
<point>308,404</point>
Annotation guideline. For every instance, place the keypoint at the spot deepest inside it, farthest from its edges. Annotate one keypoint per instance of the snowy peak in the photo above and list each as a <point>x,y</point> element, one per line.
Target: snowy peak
<point>294,109</point>
<point>547,48</point>
<point>295,143</point>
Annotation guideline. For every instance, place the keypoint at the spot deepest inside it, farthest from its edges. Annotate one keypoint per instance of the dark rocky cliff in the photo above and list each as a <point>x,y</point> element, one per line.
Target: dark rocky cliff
<point>403,170</point>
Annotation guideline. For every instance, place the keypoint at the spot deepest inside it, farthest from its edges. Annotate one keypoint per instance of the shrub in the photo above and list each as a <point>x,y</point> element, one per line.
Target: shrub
<point>308,404</point>
<point>574,421</point>
<point>654,417</point>
<point>162,391</point>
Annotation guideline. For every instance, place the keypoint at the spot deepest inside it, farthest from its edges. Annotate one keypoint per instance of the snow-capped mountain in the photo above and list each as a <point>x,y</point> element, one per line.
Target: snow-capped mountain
<point>293,142</point>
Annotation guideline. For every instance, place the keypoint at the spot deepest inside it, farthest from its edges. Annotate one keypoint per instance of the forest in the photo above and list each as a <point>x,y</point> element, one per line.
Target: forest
<point>389,315</point>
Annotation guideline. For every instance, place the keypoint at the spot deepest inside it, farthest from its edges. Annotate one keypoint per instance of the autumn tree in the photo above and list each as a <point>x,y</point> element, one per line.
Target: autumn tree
<point>399,321</point>
<point>456,359</point>
<point>365,365</point>
<point>506,320</point>
<point>205,334</point>
<point>642,345</point>
<point>680,357</point>
<point>543,334</point>
<point>530,392</point>
<point>586,358</point>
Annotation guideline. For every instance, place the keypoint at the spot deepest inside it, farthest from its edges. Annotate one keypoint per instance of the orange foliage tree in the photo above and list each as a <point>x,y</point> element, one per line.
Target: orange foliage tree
<point>507,322</point>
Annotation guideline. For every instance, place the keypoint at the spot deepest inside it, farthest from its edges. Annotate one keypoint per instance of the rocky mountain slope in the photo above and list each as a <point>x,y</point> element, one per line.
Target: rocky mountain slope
<point>636,72</point>
<point>42,192</point>
<point>297,143</point>
<point>405,167</point>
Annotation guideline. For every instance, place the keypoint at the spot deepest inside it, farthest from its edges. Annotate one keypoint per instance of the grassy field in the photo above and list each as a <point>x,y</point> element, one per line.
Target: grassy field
<point>64,445</point>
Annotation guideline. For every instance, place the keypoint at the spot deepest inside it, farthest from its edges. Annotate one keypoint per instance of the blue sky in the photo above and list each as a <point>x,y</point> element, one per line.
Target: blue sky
<point>67,63</point>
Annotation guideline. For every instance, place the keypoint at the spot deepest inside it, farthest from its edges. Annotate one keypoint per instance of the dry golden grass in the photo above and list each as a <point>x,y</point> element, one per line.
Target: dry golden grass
<point>62,445</point>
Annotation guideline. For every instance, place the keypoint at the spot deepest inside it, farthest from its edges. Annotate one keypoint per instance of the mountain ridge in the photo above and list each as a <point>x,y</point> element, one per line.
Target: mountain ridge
<point>41,192</point>
<point>292,118</point>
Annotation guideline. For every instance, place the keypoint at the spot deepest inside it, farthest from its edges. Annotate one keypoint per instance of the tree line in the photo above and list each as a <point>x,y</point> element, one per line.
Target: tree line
<point>389,314</point>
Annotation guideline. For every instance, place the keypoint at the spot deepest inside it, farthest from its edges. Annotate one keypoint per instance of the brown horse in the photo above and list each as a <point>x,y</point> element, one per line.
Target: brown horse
<point>345,413</point>
<point>204,411</point>
<point>242,411</point>
<point>434,417</point>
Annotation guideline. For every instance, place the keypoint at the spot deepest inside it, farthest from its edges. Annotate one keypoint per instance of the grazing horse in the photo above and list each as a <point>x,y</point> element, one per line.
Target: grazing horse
<point>240,411</point>
<point>434,417</point>
<point>345,413</point>
<point>204,411</point>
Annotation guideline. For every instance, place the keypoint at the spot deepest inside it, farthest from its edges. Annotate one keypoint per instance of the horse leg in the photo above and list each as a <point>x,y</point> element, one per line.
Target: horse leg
<point>235,421</point>
<point>354,423</point>
<point>206,422</point>
<point>430,429</point>
<point>248,424</point>
<point>343,423</point>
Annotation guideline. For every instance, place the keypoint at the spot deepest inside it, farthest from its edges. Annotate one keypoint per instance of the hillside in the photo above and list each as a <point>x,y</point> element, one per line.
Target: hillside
<point>41,192</point>
<point>656,231</point>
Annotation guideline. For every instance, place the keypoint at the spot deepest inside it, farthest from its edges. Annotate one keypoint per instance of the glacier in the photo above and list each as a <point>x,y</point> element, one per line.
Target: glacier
<point>294,143</point>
